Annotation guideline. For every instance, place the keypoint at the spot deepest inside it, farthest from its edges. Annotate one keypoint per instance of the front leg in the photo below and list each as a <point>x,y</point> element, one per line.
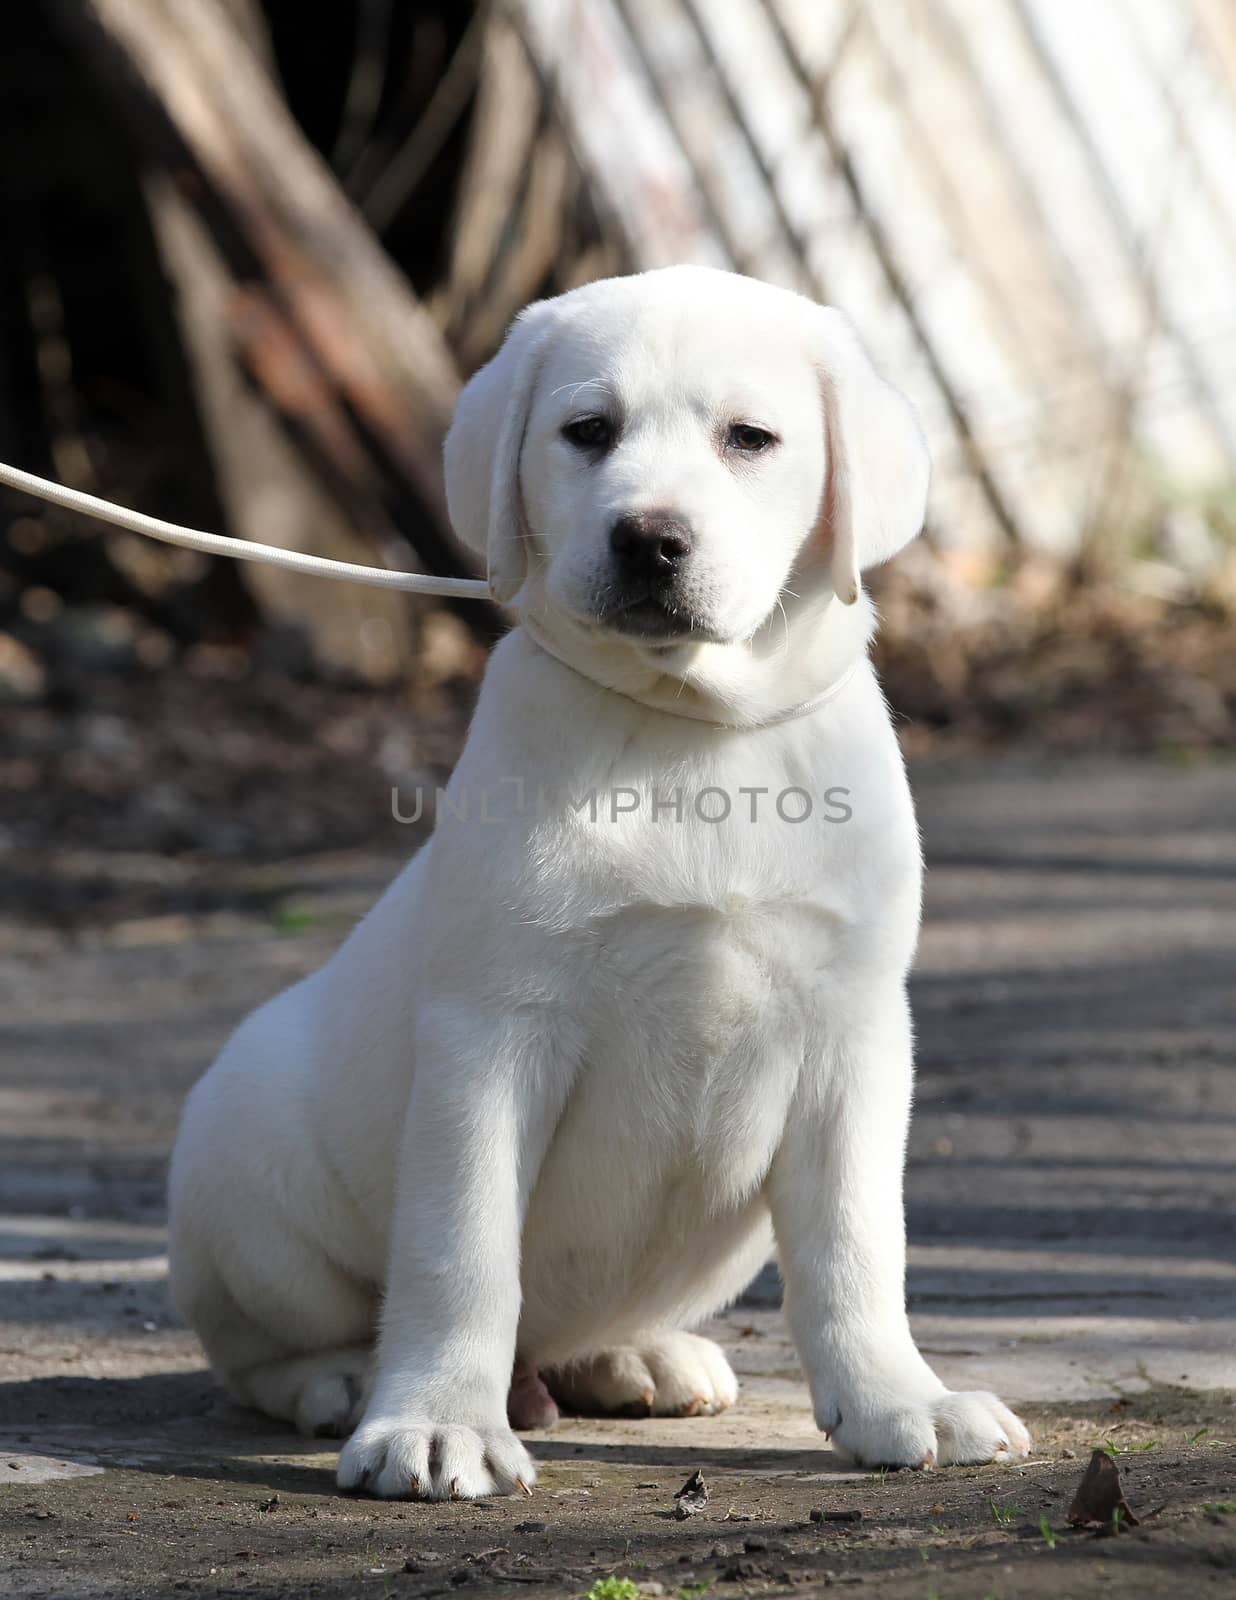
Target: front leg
<point>836,1197</point>
<point>482,1106</point>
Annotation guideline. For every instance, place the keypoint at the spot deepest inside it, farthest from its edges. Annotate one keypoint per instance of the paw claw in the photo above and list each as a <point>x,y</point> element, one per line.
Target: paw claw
<point>523,1487</point>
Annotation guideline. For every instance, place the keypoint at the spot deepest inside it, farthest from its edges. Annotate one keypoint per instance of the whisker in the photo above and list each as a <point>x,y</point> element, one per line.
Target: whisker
<point>585,383</point>
<point>785,643</point>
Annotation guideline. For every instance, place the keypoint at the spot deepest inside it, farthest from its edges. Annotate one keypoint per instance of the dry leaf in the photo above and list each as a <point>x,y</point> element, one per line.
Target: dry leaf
<point>1100,1496</point>
<point>692,1497</point>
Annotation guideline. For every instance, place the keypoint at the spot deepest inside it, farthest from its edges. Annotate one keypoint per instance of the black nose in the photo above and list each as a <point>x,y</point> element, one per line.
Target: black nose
<point>650,545</point>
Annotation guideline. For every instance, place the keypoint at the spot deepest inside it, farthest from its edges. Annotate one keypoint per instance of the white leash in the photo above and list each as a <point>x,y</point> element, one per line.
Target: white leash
<point>220,544</point>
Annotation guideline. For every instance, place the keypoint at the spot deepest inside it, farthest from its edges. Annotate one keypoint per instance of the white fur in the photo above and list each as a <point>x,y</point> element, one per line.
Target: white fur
<point>563,1087</point>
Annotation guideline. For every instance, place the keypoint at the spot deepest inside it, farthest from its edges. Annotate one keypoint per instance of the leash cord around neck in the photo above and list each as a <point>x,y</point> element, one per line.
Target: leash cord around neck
<point>221,544</point>
<point>671,708</point>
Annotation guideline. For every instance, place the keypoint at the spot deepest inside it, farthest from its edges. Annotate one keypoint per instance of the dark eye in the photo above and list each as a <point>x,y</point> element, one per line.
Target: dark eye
<point>750,439</point>
<point>588,433</point>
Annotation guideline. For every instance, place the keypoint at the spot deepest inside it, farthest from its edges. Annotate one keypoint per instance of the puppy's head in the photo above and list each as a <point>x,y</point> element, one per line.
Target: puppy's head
<point>663,457</point>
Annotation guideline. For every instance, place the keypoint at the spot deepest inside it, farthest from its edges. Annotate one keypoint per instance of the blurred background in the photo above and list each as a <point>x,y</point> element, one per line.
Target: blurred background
<point>248,262</point>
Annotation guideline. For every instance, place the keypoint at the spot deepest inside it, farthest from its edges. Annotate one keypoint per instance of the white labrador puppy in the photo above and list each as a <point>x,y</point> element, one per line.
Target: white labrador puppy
<point>638,1009</point>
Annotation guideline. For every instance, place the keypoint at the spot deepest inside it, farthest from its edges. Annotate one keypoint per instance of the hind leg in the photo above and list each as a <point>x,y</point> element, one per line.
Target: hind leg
<point>285,1330</point>
<point>323,1393</point>
<point>299,1348</point>
<point>304,1357</point>
<point>665,1375</point>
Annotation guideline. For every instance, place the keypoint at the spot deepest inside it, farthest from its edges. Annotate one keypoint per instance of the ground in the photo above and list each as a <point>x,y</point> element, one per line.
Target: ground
<point>1070,1188</point>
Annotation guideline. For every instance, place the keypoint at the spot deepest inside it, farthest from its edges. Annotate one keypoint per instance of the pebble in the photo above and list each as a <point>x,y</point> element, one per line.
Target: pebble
<point>421,1561</point>
<point>772,1547</point>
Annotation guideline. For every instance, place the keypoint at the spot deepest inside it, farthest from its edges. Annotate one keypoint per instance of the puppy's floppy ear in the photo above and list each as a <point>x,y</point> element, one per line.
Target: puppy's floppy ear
<point>875,495</point>
<point>482,450</point>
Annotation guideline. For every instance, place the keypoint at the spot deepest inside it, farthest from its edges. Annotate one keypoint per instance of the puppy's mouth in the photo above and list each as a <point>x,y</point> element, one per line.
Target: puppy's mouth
<point>649,617</point>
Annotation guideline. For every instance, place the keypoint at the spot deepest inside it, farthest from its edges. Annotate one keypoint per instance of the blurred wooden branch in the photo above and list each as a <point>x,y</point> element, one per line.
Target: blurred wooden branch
<point>517,201</point>
<point>261,477</point>
<point>329,331</point>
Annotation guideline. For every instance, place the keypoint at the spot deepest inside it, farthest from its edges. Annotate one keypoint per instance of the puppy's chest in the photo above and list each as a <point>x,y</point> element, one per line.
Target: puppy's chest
<point>694,1041</point>
<point>709,969</point>
<point>699,1015</point>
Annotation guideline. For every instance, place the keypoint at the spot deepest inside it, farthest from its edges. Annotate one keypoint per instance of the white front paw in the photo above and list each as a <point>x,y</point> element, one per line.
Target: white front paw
<point>941,1430</point>
<point>413,1460</point>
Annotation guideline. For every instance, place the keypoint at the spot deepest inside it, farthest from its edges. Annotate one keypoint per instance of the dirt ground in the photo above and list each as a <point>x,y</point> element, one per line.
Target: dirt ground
<point>1070,1192</point>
